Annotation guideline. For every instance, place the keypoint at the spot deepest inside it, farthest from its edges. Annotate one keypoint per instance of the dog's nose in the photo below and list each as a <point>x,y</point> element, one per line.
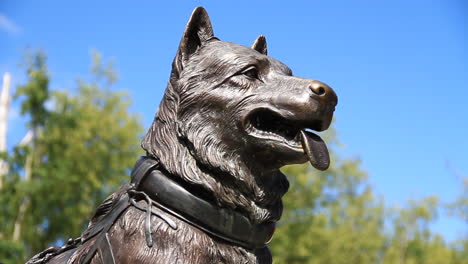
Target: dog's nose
<point>319,88</point>
<point>323,91</point>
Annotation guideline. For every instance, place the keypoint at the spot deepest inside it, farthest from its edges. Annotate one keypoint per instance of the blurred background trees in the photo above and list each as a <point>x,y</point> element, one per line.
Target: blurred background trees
<point>81,145</point>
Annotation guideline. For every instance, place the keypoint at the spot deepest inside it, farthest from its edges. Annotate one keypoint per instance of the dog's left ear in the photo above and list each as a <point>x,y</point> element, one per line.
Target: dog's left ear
<point>197,32</point>
<point>260,45</point>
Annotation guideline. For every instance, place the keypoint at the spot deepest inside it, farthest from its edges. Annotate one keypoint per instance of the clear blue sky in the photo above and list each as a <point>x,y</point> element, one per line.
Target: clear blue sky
<point>399,69</point>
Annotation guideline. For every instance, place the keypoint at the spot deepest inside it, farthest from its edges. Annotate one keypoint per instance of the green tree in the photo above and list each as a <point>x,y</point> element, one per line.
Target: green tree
<point>15,200</point>
<point>82,148</point>
<point>459,208</point>
<point>412,242</point>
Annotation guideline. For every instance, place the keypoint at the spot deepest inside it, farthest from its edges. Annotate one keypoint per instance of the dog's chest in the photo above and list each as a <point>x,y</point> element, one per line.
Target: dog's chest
<point>185,244</point>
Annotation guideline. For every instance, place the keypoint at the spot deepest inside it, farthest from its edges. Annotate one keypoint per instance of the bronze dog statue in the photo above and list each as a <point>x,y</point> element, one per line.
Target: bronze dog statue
<point>209,189</point>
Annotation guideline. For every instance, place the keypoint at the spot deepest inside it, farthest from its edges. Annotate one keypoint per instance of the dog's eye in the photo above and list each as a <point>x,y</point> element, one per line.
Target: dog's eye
<point>251,73</point>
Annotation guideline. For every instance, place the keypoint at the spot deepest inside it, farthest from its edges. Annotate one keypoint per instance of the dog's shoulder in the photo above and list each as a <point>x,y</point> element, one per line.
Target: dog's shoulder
<point>115,201</point>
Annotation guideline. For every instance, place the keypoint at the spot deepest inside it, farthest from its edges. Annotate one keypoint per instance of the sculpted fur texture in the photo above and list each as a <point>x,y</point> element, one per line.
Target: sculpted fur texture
<point>231,116</point>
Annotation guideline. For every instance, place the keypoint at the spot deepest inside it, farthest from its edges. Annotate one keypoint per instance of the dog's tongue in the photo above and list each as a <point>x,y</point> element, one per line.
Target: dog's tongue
<point>316,150</point>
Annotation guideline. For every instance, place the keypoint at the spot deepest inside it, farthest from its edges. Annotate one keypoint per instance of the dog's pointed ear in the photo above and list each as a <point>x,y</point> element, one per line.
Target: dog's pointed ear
<point>260,45</point>
<point>197,32</point>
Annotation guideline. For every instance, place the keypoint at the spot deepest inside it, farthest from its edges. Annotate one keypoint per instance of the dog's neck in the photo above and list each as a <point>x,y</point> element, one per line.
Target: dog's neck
<point>256,193</point>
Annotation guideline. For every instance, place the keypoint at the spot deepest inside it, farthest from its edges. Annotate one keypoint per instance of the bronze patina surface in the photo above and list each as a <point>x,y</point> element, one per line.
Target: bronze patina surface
<point>231,116</point>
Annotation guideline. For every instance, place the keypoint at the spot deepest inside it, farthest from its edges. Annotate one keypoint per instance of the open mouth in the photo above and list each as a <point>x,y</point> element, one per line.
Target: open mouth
<point>268,125</point>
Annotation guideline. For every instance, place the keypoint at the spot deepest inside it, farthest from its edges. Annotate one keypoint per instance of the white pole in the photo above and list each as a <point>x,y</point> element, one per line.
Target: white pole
<point>4,107</point>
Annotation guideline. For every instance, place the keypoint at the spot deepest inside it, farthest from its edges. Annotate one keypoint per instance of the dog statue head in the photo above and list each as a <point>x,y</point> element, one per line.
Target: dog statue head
<point>231,116</point>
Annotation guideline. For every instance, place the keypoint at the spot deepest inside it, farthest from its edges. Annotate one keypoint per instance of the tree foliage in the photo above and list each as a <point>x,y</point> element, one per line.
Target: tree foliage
<point>85,144</point>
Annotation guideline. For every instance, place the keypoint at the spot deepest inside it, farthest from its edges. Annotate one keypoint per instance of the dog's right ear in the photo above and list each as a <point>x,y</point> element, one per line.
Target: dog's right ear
<point>260,45</point>
<point>197,32</point>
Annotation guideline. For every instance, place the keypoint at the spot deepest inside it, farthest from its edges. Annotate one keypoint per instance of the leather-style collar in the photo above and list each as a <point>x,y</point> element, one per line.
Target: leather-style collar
<point>222,223</point>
